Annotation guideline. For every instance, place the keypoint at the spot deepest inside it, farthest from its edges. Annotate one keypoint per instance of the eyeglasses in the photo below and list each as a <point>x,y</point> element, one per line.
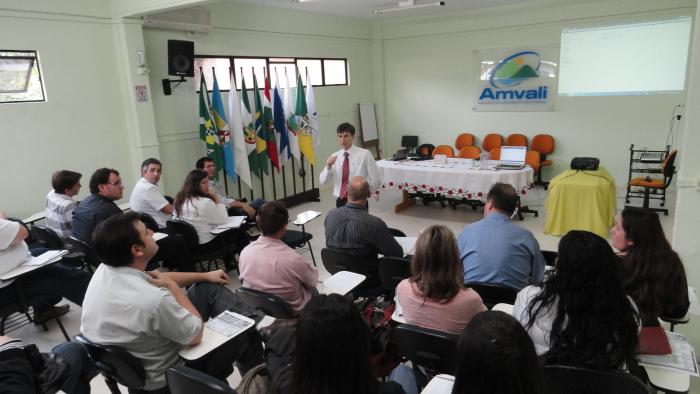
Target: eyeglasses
<point>117,183</point>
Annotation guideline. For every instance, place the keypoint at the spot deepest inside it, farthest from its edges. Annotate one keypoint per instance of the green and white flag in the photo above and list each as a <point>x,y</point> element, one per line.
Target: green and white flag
<point>207,130</point>
<point>249,130</point>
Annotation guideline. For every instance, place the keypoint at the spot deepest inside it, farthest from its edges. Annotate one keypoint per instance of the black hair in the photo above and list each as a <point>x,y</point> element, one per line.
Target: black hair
<point>64,179</point>
<point>594,325</point>
<point>114,237</point>
<point>100,177</point>
<point>504,197</point>
<point>495,355</point>
<point>190,189</point>
<point>345,127</point>
<point>202,161</point>
<point>148,162</point>
<point>272,216</point>
<point>332,349</point>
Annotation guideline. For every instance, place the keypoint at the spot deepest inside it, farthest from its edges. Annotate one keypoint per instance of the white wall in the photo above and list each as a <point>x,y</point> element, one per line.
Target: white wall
<point>430,83</point>
<point>245,30</point>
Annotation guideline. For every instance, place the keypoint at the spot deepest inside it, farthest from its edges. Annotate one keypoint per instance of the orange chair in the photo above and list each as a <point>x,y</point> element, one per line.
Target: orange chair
<point>516,140</point>
<point>469,152</point>
<point>492,141</point>
<point>544,144</point>
<point>495,153</point>
<point>444,150</point>
<point>656,185</point>
<point>464,139</point>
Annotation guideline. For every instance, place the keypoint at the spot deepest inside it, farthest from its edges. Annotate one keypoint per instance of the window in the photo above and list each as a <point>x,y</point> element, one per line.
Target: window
<point>20,77</point>
<point>323,72</point>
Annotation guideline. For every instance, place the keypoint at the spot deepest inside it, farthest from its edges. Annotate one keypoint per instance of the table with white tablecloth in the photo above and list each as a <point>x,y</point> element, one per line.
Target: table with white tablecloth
<point>458,178</point>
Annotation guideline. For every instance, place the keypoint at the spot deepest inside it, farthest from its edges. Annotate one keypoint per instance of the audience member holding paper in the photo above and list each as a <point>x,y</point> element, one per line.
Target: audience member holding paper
<point>150,315</point>
<point>50,283</point>
<point>196,205</point>
<point>433,297</point>
<point>652,273</point>
<point>269,265</point>
<point>581,315</point>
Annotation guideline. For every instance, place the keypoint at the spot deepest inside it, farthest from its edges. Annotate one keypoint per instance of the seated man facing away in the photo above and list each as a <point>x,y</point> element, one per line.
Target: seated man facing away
<point>48,284</point>
<point>235,207</point>
<point>496,251</point>
<point>60,203</point>
<point>147,197</point>
<point>269,265</point>
<point>353,229</point>
<point>149,314</point>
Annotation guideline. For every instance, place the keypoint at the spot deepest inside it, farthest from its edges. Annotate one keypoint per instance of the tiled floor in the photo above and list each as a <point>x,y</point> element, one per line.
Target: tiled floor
<point>411,221</point>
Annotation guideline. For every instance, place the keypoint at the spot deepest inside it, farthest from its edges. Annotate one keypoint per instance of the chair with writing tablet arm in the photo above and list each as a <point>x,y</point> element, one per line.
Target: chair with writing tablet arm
<point>186,380</point>
<point>562,379</point>
<point>116,365</point>
<point>269,304</point>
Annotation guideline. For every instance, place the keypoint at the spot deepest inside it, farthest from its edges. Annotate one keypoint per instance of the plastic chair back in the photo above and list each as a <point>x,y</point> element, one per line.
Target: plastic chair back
<point>425,150</point>
<point>469,152</point>
<point>561,379</point>
<point>392,270</point>
<point>550,257</point>
<point>516,140</point>
<point>396,232</point>
<point>464,139</point>
<point>47,237</point>
<point>495,153</point>
<point>542,143</point>
<point>336,260</point>
<point>668,168</point>
<point>434,350</point>
<point>444,150</point>
<point>115,362</point>
<point>185,380</point>
<point>492,141</point>
<point>91,259</point>
<point>148,221</point>
<point>492,294</point>
<point>532,158</point>
<point>185,230</point>
<point>270,304</point>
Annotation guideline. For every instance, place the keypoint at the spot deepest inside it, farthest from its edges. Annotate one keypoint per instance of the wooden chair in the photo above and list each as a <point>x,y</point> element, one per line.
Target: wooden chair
<point>469,152</point>
<point>464,139</point>
<point>444,150</point>
<point>544,144</point>
<point>655,185</point>
<point>516,140</point>
<point>492,141</point>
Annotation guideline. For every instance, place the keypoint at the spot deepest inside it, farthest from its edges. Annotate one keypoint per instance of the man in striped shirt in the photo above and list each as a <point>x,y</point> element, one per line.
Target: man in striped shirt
<point>353,229</point>
<point>60,203</point>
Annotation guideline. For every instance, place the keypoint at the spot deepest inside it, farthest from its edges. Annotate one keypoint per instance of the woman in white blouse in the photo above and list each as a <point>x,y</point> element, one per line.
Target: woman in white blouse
<point>198,207</point>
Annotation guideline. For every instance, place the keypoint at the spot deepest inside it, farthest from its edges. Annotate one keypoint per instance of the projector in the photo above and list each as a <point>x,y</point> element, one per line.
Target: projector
<point>585,163</point>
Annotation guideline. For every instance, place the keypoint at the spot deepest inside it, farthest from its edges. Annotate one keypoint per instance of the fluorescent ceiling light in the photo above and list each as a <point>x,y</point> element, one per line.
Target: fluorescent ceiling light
<point>409,4</point>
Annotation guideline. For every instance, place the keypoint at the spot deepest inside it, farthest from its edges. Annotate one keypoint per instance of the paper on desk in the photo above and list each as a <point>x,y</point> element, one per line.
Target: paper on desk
<point>233,222</point>
<point>342,283</point>
<point>681,360</point>
<point>306,217</point>
<point>229,323</point>
<point>50,256</point>
<point>407,244</point>
<point>439,384</point>
<point>158,236</point>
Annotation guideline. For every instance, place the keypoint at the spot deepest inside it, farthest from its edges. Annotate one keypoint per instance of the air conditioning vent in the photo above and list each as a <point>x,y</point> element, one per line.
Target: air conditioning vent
<point>196,19</point>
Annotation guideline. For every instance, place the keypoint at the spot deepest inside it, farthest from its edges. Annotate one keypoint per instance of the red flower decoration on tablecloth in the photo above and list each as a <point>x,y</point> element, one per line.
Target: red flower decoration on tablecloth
<point>440,188</point>
<point>391,183</point>
<point>400,187</point>
<point>469,195</point>
<point>449,192</point>
<point>405,183</point>
<point>415,188</point>
<point>480,194</point>
<point>459,191</point>
<point>523,192</point>
<point>432,189</point>
<point>423,186</point>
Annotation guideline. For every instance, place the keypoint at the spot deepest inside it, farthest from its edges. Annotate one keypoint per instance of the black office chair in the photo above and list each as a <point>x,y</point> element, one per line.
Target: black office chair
<point>336,260</point>
<point>270,304</point>
<point>222,246</point>
<point>433,350</point>
<point>116,365</point>
<point>396,232</point>
<point>19,314</point>
<point>88,255</point>
<point>185,380</point>
<point>492,294</point>
<point>561,379</point>
<point>550,257</point>
<point>298,239</point>
<point>49,239</point>
<point>148,221</point>
<point>393,270</point>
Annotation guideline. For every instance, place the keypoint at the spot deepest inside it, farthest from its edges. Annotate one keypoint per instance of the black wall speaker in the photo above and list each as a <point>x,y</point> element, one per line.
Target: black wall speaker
<point>181,58</point>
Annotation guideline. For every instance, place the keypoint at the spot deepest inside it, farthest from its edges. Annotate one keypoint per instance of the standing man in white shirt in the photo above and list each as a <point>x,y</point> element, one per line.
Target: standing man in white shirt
<point>348,162</point>
<point>147,196</point>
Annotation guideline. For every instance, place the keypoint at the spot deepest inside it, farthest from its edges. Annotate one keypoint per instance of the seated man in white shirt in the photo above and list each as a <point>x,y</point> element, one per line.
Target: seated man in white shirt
<point>60,203</point>
<point>149,314</point>
<point>269,265</point>
<point>235,207</point>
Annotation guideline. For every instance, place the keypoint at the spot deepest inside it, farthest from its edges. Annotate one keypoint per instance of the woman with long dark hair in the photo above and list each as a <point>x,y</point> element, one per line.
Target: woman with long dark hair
<point>332,351</point>
<point>581,315</point>
<point>652,273</point>
<point>496,356</point>
<point>434,297</point>
<point>197,206</point>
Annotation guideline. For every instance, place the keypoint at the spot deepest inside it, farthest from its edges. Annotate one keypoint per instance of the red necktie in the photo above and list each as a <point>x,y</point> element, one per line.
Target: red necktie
<point>346,175</point>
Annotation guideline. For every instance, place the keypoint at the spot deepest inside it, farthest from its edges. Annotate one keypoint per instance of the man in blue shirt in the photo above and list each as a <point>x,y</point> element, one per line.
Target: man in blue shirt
<point>496,251</point>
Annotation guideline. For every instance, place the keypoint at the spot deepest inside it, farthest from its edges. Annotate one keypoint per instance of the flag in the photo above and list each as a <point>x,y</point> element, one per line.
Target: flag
<point>301,124</point>
<point>281,123</point>
<point>311,106</point>
<point>269,126</point>
<point>221,123</point>
<point>207,130</point>
<point>240,154</point>
<point>260,131</point>
<point>289,111</point>
<point>249,131</point>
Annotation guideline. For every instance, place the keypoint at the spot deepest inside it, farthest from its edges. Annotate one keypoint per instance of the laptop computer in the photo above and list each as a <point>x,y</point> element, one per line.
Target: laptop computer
<point>400,154</point>
<point>512,158</point>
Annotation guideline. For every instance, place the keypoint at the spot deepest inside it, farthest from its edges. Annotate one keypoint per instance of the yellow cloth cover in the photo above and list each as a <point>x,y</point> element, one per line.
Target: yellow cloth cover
<point>581,200</point>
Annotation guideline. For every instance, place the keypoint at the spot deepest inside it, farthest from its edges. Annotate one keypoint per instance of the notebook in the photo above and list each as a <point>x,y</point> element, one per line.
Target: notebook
<point>512,158</point>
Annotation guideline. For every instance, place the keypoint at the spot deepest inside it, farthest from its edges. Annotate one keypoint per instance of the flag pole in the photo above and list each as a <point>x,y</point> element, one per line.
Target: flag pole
<point>213,71</point>
<point>266,75</point>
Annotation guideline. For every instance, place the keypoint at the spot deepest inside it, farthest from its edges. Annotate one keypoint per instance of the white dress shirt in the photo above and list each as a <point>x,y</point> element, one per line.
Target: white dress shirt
<point>204,215</point>
<point>361,164</point>
<point>147,198</point>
